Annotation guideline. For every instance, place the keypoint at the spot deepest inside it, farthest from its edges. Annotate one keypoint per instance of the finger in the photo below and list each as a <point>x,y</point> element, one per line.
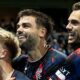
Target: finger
<point>13,78</point>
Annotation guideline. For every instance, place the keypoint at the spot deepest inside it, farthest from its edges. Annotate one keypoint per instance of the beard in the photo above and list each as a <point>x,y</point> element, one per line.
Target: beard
<point>77,34</point>
<point>1,70</point>
<point>76,43</point>
<point>31,43</point>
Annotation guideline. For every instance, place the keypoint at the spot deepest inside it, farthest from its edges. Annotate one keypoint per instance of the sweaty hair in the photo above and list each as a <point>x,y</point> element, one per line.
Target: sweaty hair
<point>10,42</point>
<point>76,6</point>
<point>40,18</point>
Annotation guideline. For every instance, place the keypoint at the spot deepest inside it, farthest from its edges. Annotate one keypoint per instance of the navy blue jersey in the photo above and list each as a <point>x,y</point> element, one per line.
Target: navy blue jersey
<point>45,67</point>
<point>71,68</point>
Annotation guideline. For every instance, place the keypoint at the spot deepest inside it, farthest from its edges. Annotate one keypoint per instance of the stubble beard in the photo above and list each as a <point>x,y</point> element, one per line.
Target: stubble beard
<point>76,42</point>
<point>31,43</point>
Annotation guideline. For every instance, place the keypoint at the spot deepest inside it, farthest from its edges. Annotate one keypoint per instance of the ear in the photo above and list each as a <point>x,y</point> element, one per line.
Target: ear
<point>3,53</point>
<point>42,32</point>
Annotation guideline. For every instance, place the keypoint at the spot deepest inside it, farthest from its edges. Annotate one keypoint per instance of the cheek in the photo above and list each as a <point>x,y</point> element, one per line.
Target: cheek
<point>78,31</point>
<point>33,40</point>
<point>34,32</point>
<point>28,32</point>
<point>77,36</point>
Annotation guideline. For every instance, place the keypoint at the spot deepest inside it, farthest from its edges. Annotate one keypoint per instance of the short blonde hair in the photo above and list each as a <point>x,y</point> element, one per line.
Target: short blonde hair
<point>10,41</point>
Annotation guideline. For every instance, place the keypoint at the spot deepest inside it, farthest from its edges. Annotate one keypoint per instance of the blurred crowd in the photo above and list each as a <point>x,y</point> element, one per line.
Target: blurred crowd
<point>9,25</point>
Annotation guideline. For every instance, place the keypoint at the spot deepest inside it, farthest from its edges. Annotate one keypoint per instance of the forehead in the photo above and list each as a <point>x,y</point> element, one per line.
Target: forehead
<point>75,15</point>
<point>26,19</point>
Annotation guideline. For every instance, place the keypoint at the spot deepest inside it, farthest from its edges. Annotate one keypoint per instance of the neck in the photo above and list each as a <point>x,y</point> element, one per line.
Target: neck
<point>6,69</point>
<point>37,54</point>
<point>74,46</point>
<point>34,55</point>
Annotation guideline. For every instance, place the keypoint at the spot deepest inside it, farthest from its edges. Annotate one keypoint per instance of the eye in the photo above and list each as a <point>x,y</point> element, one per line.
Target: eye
<point>75,22</point>
<point>17,26</point>
<point>26,25</point>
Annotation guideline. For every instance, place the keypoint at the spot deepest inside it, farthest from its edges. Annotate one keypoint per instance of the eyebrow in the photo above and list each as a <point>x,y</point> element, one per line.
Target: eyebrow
<point>27,24</point>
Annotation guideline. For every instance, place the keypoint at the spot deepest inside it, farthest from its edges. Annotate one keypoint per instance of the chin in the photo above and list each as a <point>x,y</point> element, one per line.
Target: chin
<point>21,42</point>
<point>71,42</point>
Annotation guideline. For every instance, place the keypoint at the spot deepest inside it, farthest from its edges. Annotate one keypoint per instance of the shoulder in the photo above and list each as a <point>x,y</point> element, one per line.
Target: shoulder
<point>55,53</point>
<point>53,61</point>
<point>19,75</point>
<point>19,63</point>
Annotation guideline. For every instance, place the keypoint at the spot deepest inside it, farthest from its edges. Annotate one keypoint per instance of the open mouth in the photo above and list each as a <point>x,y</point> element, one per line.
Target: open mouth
<point>70,38</point>
<point>72,33</point>
<point>21,37</point>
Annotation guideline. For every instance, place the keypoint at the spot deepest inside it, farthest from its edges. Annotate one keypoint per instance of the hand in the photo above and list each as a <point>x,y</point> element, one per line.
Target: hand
<point>12,78</point>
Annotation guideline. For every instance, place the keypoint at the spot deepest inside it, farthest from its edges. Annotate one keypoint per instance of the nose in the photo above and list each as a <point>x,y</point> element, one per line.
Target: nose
<point>69,26</point>
<point>20,30</point>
